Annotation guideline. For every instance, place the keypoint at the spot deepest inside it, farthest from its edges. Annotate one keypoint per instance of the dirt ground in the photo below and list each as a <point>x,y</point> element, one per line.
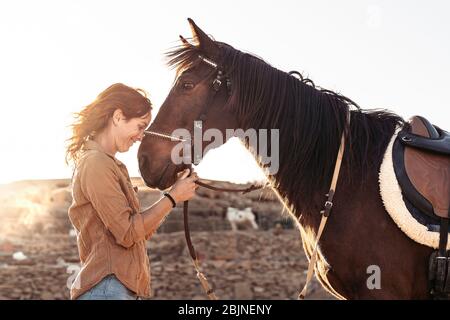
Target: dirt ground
<point>39,257</point>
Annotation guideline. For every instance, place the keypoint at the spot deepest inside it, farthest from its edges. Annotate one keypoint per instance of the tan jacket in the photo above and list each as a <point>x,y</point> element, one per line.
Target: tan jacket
<point>110,229</point>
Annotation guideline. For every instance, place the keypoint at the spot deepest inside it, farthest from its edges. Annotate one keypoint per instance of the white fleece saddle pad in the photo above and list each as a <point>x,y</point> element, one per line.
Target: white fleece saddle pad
<point>394,204</point>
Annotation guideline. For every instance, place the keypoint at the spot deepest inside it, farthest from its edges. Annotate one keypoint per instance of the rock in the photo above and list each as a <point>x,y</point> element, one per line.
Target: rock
<point>217,264</point>
<point>55,288</point>
<point>170,268</point>
<point>46,296</point>
<point>60,197</point>
<point>234,277</point>
<point>224,256</point>
<point>242,291</point>
<point>60,262</point>
<point>157,269</point>
<point>59,212</point>
<point>278,229</point>
<point>258,289</point>
<point>246,264</point>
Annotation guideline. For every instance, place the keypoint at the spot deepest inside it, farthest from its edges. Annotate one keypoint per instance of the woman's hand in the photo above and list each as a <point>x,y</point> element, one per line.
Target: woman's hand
<point>184,188</point>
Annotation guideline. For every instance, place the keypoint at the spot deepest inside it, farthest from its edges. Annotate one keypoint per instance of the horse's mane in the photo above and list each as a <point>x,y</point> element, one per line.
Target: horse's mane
<point>310,121</point>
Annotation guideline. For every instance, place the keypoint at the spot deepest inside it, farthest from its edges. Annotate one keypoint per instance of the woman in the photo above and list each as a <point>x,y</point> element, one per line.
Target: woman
<point>111,230</point>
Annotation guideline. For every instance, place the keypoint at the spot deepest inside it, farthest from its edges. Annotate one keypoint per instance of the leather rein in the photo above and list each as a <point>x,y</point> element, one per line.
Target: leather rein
<point>216,85</point>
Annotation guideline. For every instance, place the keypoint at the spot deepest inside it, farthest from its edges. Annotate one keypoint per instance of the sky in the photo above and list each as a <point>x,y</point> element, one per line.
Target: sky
<point>57,56</point>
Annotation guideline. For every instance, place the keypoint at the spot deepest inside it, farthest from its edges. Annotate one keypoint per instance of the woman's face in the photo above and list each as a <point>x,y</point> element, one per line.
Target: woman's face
<point>130,130</point>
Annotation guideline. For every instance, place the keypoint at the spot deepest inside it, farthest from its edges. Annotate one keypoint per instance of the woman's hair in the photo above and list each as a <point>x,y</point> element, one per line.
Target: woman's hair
<point>95,117</point>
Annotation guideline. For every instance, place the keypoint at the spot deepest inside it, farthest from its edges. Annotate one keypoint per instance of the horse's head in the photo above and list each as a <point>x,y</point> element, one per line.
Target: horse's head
<point>200,92</point>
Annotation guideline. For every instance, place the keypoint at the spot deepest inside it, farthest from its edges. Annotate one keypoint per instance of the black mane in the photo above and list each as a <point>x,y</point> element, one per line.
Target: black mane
<point>310,121</point>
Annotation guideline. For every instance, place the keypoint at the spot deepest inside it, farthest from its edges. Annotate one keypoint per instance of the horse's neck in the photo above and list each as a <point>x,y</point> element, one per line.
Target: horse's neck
<point>292,204</point>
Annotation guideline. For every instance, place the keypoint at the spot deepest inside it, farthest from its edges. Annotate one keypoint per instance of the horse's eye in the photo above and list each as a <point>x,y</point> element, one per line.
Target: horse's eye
<point>188,85</point>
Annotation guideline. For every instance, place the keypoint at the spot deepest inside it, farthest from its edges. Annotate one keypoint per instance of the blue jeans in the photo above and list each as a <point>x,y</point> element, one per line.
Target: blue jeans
<point>109,288</point>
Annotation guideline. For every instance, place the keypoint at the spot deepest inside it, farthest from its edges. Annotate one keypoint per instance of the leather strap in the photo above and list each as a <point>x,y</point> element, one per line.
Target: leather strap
<point>244,190</point>
<point>202,278</point>
<point>326,212</point>
<point>443,236</point>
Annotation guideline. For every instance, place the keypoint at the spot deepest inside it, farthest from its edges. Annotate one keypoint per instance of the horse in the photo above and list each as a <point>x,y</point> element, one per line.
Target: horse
<point>360,236</point>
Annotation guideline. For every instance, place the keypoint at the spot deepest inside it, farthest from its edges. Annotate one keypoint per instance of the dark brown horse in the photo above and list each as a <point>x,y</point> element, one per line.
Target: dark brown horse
<point>359,234</point>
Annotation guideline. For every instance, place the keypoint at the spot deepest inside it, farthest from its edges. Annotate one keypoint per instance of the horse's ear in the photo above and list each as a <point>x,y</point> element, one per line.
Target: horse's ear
<point>185,42</point>
<point>205,43</point>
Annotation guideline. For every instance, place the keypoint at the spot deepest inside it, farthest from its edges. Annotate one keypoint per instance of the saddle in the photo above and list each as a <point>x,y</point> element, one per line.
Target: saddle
<point>421,157</point>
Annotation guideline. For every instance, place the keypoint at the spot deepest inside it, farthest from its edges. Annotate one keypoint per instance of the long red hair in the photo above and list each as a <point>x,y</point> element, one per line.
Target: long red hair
<point>95,117</point>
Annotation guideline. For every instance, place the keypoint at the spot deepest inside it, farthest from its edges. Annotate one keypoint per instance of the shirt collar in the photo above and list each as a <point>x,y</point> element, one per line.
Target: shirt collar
<point>93,145</point>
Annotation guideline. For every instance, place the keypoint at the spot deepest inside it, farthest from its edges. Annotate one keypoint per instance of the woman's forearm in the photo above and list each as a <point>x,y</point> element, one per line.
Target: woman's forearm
<point>182,190</point>
<point>155,215</point>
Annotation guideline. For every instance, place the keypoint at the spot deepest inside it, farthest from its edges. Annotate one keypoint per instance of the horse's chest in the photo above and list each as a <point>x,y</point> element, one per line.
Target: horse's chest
<point>322,267</point>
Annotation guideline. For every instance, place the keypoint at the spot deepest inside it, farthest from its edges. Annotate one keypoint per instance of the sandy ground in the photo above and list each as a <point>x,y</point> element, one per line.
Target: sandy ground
<point>38,253</point>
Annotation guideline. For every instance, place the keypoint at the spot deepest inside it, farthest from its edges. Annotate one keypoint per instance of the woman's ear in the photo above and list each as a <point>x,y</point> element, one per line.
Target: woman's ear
<point>117,116</point>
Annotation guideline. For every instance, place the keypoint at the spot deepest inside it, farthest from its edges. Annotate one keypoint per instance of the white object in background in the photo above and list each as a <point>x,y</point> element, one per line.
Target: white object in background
<point>72,233</point>
<point>239,217</point>
<point>19,256</point>
<point>60,262</point>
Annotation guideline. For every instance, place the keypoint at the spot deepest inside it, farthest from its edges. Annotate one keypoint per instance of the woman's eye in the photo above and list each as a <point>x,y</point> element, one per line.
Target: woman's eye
<point>188,85</point>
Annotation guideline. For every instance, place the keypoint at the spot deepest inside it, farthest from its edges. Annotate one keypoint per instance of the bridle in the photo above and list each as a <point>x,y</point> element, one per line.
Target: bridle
<point>215,86</point>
